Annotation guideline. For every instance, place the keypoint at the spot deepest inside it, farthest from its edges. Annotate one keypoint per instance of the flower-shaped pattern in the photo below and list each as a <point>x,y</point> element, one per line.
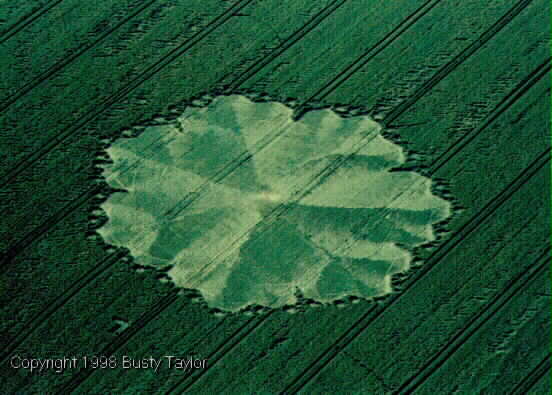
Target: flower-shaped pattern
<point>240,201</point>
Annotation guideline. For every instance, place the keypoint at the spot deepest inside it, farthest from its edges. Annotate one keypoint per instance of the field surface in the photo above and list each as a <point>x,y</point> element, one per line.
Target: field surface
<point>459,89</point>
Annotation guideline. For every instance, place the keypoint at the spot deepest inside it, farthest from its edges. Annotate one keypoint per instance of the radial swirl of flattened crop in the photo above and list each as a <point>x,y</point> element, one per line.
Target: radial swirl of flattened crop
<point>248,206</point>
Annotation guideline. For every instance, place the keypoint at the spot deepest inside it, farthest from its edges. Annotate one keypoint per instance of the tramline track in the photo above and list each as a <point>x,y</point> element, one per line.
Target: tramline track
<point>241,333</point>
<point>74,289</point>
<point>514,287</point>
<point>536,374</point>
<point>27,20</point>
<point>55,68</point>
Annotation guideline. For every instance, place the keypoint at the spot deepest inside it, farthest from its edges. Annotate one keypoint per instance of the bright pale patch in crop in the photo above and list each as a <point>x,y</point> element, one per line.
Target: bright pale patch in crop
<point>247,205</point>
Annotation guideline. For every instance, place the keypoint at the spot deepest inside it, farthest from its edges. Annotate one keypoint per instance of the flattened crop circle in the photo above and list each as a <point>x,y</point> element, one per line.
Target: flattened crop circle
<point>247,205</point>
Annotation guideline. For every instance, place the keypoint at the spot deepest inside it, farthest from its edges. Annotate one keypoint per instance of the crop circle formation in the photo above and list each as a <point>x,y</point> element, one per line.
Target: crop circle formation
<point>247,205</point>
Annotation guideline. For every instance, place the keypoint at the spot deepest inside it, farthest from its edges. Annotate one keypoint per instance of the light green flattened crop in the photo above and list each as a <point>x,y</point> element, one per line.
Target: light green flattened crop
<point>247,205</point>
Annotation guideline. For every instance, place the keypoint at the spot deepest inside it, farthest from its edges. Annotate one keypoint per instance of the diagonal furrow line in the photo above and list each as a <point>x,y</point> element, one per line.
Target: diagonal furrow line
<point>367,56</point>
<point>504,244</point>
<point>223,349</point>
<point>27,20</point>
<point>368,318</point>
<point>512,289</point>
<point>507,102</point>
<point>490,208</point>
<point>533,378</point>
<point>130,332</point>
<point>206,335</point>
<point>57,303</point>
<point>286,44</point>
<point>224,172</point>
<point>68,209</point>
<point>120,340</point>
<point>44,76</point>
<point>459,59</point>
<point>125,91</point>
<point>401,108</point>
